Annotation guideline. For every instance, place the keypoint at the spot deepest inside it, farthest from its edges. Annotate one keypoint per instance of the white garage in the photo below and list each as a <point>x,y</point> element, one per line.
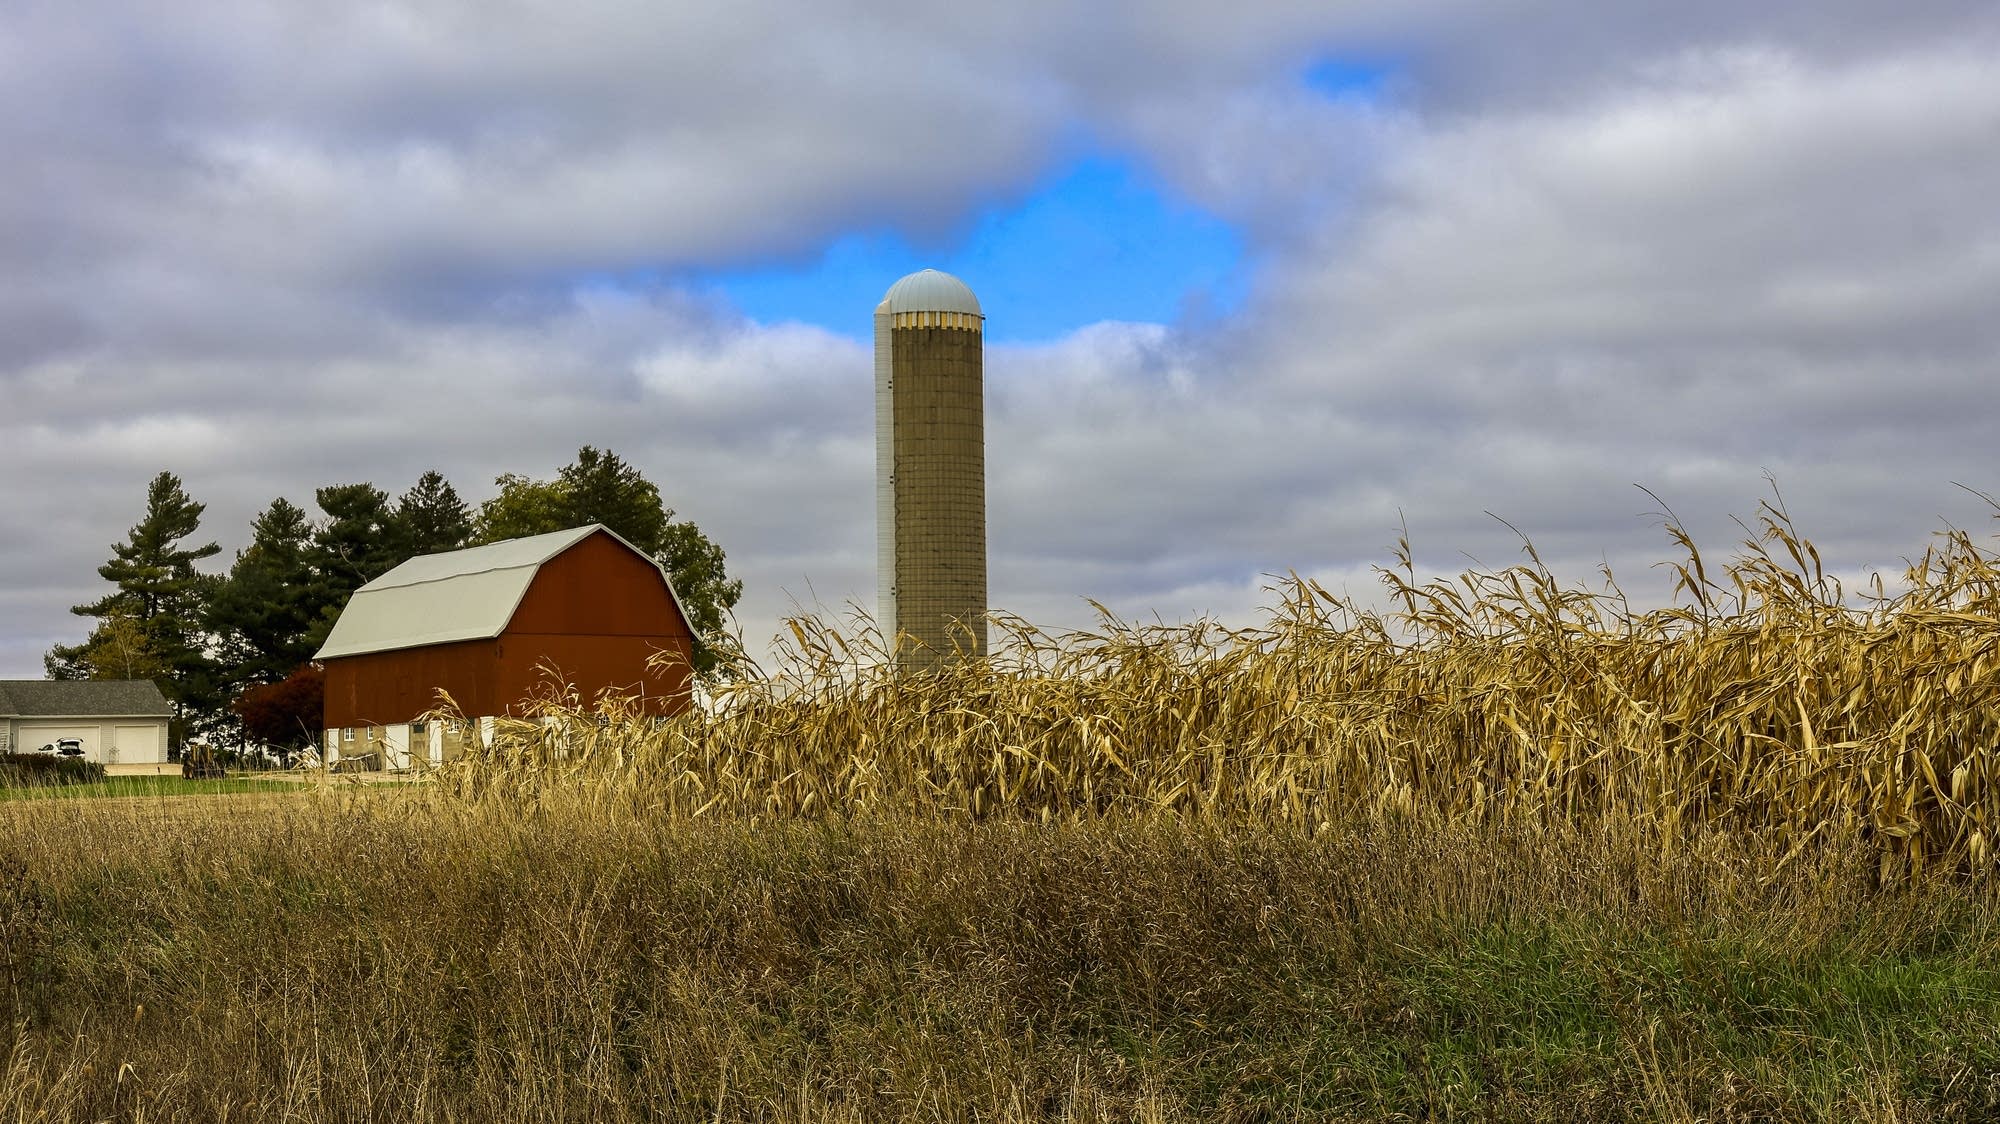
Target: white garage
<point>36,735</point>
<point>117,721</point>
<point>139,742</point>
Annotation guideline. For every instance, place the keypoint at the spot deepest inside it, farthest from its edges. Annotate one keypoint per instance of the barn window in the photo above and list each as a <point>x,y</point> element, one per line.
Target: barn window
<point>347,733</point>
<point>417,727</point>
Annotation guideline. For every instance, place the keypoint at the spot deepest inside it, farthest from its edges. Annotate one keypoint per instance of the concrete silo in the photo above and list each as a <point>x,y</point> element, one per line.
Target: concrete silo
<point>930,458</point>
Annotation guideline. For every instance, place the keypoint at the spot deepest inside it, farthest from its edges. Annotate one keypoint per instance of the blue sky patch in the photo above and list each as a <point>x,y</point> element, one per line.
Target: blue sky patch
<point>1348,78</point>
<point>1102,239</point>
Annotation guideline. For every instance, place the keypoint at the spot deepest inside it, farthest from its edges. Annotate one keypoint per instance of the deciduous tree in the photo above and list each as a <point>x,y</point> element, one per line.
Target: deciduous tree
<point>600,487</point>
<point>285,714</point>
<point>524,507</point>
<point>118,648</point>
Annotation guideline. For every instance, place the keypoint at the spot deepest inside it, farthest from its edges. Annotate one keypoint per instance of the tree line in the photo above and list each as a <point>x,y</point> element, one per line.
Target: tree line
<point>232,651</point>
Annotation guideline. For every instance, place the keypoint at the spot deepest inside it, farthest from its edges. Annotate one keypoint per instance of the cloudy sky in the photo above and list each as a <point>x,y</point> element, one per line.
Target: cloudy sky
<point>1266,280</point>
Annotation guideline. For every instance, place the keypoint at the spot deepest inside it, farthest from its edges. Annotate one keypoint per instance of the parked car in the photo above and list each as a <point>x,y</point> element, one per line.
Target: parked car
<point>64,747</point>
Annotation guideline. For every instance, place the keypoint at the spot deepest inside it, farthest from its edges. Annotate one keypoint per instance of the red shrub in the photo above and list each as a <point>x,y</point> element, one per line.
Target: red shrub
<point>287,713</point>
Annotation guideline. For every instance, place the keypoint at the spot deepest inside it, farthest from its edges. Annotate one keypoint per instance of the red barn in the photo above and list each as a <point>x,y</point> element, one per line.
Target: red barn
<point>487,625</point>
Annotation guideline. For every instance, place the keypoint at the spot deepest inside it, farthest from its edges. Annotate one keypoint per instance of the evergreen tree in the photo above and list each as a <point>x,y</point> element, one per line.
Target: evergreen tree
<point>600,487</point>
<point>431,518</point>
<point>263,614</point>
<point>150,625</point>
<point>358,542</point>
<point>155,576</point>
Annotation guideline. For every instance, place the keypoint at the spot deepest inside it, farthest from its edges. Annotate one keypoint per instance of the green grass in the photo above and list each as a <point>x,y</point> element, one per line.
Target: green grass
<point>147,786</point>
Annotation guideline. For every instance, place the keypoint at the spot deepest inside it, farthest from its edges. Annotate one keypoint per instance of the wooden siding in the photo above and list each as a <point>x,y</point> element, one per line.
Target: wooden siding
<point>597,588</point>
<point>383,687</point>
<point>596,614</point>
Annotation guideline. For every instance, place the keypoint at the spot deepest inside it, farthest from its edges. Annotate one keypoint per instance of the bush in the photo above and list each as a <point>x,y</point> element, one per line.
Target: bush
<point>28,770</point>
<point>287,713</point>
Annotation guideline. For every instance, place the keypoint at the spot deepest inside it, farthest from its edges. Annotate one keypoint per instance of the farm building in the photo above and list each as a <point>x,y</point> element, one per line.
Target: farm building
<point>118,721</point>
<point>492,626</point>
<point>930,467</point>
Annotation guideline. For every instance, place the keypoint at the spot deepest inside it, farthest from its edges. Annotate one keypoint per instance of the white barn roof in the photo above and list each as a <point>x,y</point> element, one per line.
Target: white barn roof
<point>459,595</point>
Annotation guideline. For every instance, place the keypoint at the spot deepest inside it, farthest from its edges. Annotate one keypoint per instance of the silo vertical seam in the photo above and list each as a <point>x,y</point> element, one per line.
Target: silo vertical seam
<point>885,474</point>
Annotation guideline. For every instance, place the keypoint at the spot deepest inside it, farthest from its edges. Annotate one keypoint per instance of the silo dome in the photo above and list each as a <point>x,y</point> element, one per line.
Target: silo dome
<point>930,291</point>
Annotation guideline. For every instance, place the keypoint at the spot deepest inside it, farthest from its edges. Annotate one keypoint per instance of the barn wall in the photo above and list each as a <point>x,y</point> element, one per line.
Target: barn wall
<point>593,664</point>
<point>597,588</point>
<point>388,687</point>
<point>597,615</point>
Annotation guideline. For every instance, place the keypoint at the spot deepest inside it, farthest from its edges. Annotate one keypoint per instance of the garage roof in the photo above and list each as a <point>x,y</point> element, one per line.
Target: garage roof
<point>458,595</point>
<point>82,698</point>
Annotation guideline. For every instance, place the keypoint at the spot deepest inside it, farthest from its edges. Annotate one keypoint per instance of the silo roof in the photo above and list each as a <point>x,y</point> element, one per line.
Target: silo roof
<point>928,290</point>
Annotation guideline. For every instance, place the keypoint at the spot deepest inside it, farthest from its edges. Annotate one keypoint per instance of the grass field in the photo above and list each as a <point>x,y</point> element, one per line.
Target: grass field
<point>148,786</point>
<point>379,956</point>
<point>1515,852</point>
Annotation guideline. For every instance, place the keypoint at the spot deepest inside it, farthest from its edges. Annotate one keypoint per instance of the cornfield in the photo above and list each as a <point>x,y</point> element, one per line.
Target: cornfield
<point>1765,699</point>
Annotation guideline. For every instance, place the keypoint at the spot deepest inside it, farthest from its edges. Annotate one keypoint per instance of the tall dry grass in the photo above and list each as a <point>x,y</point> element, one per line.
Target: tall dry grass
<point>1766,699</point>
<point>365,956</point>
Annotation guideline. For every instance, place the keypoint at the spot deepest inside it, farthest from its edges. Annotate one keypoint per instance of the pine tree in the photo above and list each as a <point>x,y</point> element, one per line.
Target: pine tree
<point>599,487</point>
<point>155,576</point>
<point>358,542</point>
<point>263,614</point>
<point>431,518</point>
<point>150,626</point>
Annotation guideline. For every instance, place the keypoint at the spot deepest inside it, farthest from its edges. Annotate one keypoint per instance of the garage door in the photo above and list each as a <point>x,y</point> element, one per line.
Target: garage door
<point>35,735</point>
<point>132,744</point>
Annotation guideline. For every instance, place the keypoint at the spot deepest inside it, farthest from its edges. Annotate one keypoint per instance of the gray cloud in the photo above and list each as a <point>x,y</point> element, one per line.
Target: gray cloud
<point>1576,248</point>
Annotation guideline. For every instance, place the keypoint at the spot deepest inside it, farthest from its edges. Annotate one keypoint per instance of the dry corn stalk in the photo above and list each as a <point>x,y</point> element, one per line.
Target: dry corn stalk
<point>1765,699</point>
